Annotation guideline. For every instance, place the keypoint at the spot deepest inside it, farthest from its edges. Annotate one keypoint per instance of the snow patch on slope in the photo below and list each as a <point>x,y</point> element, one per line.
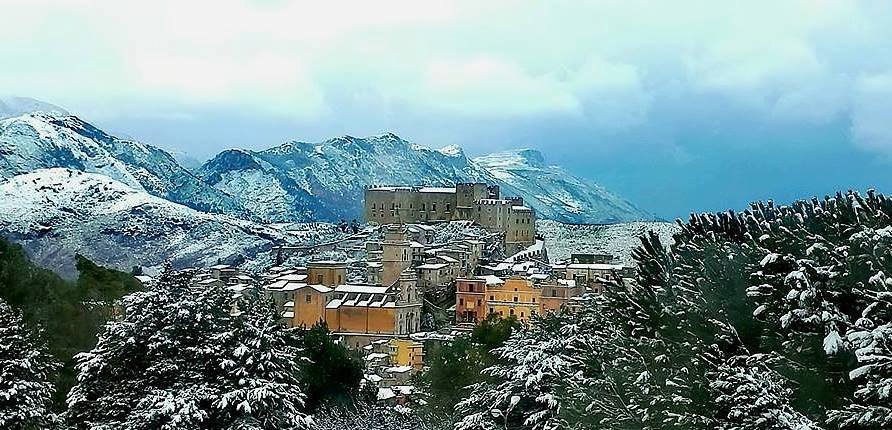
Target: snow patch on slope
<point>55,213</point>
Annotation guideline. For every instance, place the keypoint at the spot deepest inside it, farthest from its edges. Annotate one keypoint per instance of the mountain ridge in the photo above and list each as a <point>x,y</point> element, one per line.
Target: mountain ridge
<point>297,180</point>
<point>41,140</point>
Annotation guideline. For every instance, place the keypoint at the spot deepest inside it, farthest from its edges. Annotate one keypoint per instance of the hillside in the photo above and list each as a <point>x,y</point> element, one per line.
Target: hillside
<point>40,140</point>
<point>55,213</point>
<point>615,239</point>
<point>555,193</point>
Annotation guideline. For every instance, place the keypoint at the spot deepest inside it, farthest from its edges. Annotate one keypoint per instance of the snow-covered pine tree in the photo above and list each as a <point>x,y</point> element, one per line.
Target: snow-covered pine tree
<point>179,359</point>
<point>26,374</point>
<point>362,416</point>
<point>818,283</point>
<point>524,387</point>
<point>749,396</point>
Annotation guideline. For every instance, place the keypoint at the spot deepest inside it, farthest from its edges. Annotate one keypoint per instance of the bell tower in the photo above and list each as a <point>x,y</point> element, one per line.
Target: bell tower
<point>397,255</point>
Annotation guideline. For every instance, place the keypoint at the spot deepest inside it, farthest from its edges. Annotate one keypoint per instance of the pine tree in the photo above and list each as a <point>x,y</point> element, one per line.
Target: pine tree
<point>26,374</point>
<point>178,359</point>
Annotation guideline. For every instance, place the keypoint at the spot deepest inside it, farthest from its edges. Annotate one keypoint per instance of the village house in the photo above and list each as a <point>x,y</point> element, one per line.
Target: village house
<point>517,296</point>
<point>407,352</point>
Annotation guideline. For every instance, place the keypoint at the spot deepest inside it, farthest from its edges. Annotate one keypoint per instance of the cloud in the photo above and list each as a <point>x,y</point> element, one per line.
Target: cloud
<point>606,66</point>
<point>488,87</point>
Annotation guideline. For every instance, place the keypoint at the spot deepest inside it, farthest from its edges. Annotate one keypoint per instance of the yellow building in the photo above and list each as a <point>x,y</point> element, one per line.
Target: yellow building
<point>406,352</point>
<point>516,296</point>
<point>476,298</point>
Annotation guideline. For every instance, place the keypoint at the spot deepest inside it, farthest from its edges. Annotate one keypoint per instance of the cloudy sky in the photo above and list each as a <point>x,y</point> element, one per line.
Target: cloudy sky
<point>678,106</point>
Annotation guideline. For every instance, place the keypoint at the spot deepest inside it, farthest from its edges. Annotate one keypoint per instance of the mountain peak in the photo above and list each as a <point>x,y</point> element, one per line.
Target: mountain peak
<point>451,151</point>
<point>16,106</point>
<point>532,157</point>
<point>526,157</point>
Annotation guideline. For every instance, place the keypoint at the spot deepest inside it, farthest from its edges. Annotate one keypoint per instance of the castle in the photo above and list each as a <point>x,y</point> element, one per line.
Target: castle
<point>477,202</point>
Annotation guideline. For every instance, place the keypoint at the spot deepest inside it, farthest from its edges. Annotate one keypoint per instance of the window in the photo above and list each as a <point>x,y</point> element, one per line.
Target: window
<point>479,302</point>
<point>491,297</point>
<point>319,279</point>
<point>515,299</point>
<point>434,207</point>
<point>309,298</point>
<point>511,312</point>
<point>461,301</point>
<point>447,207</point>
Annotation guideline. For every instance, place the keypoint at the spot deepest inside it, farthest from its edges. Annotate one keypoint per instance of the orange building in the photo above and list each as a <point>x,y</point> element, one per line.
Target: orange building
<point>375,309</point>
<point>470,302</point>
<point>309,304</point>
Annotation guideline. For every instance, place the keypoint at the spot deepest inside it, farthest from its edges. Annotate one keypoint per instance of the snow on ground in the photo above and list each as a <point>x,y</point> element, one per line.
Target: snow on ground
<point>55,213</point>
<point>561,240</point>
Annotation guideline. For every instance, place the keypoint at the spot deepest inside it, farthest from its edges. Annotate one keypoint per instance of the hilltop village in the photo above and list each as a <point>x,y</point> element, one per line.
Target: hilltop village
<point>429,264</point>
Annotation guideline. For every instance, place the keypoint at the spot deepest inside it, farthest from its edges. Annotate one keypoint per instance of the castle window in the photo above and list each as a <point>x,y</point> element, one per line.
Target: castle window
<point>515,299</point>
<point>511,312</point>
<point>461,301</point>
<point>309,298</point>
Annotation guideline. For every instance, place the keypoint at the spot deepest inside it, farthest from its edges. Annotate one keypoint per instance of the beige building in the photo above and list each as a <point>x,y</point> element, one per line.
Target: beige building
<point>328,273</point>
<point>477,202</point>
<point>397,254</point>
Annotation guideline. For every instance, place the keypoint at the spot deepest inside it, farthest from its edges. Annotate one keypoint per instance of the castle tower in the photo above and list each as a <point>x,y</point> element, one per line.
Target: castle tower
<point>397,254</point>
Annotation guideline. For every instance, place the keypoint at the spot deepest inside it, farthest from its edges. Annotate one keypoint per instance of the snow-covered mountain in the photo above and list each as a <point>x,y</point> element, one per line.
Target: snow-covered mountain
<point>326,180</point>
<point>55,213</point>
<point>296,181</point>
<point>555,193</point>
<point>39,140</point>
<point>299,180</point>
<point>15,106</point>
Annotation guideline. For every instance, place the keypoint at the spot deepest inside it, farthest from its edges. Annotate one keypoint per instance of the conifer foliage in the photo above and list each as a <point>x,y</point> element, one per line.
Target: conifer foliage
<point>189,359</point>
<point>779,317</point>
<point>26,370</point>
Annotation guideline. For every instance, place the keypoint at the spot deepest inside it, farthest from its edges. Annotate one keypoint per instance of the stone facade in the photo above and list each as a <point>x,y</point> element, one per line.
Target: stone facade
<point>477,202</point>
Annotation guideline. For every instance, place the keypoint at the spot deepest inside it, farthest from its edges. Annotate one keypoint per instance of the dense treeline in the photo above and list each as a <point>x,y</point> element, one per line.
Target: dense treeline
<point>68,314</point>
<point>779,317</point>
<point>167,357</point>
<point>454,366</point>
